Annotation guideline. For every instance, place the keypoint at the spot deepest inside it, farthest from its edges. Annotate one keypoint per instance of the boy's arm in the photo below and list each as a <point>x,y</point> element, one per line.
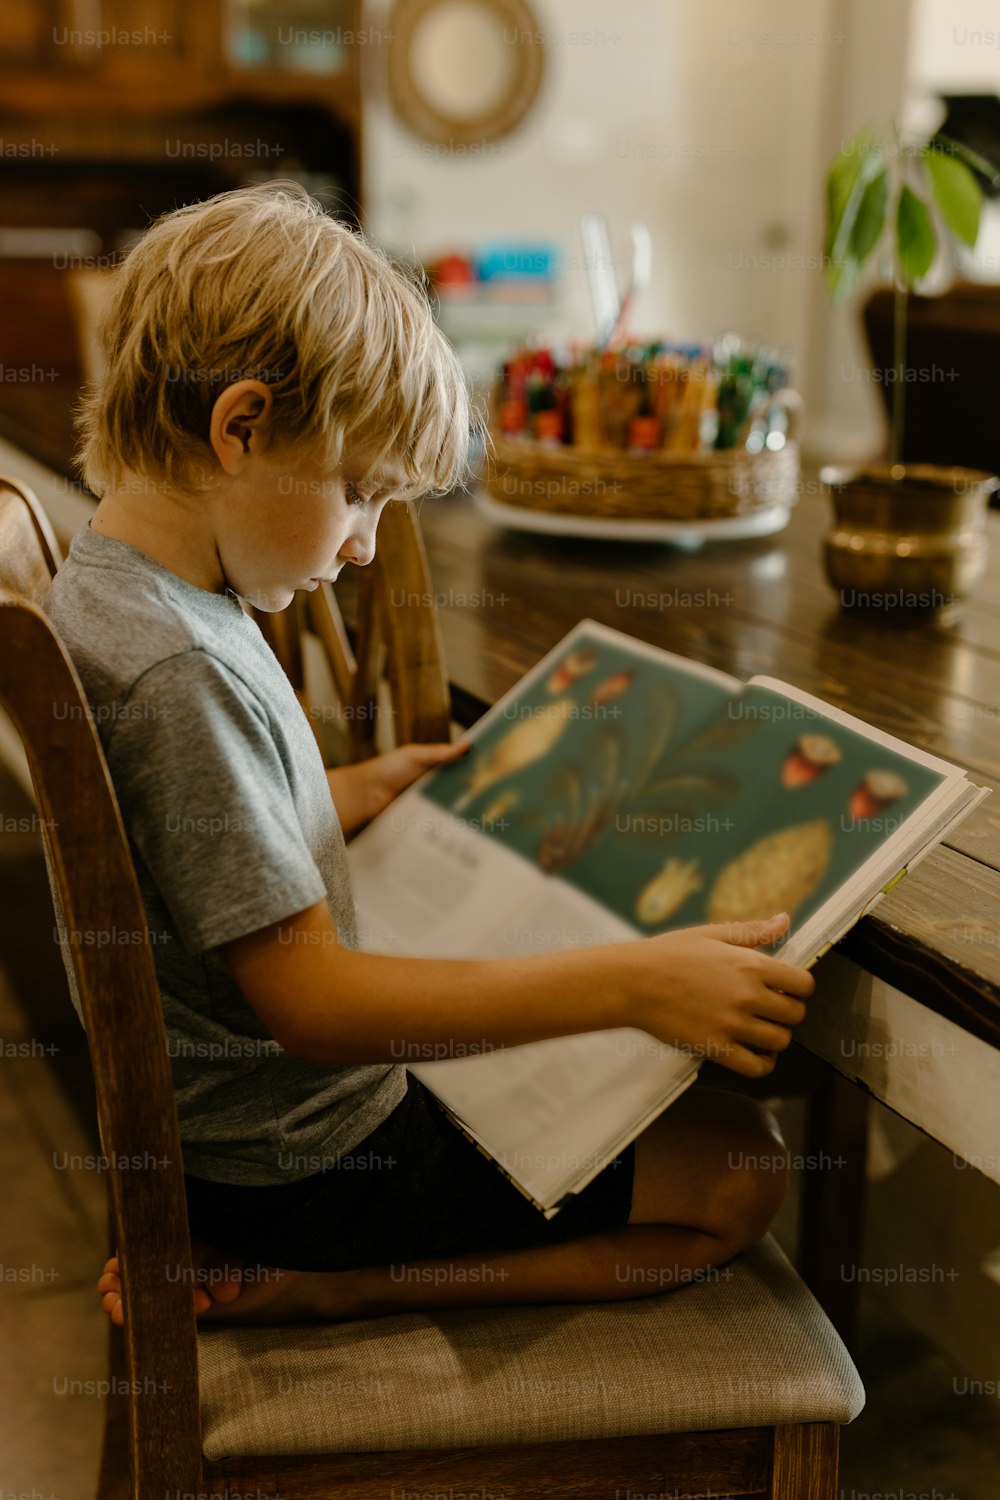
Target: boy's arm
<point>708,989</point>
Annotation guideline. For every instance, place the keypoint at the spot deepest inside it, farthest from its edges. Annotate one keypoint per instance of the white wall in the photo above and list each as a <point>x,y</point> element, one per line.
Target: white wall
<point>955,45</point>
<point>711,121</point>
<point>955,48</point>
<point>865,84</point>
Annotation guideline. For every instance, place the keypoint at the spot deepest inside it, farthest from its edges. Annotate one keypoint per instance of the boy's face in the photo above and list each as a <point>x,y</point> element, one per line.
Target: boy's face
<point>284,525</point>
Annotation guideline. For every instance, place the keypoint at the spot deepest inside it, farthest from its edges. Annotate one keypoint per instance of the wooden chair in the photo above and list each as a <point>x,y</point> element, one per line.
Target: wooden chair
<point>89,291</point>
<point>396,634</point>
<point>734,1386</point>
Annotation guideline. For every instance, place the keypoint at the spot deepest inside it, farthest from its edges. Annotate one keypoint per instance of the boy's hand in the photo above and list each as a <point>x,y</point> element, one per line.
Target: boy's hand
<point>360,792</point>
<point>734,1004</point>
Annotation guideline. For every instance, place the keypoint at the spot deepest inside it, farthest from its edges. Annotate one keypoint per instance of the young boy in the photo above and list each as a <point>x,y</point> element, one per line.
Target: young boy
<point>272,382</point>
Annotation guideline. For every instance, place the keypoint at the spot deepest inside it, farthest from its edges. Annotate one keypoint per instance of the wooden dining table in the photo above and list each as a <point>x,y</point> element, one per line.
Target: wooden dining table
<point>907,1006</point>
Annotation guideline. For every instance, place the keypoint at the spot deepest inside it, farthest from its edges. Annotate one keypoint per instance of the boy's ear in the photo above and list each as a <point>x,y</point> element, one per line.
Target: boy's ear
<point>240,420</point>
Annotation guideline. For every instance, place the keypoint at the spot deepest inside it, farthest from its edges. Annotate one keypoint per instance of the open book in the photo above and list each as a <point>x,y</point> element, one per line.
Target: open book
<point>620,791</point>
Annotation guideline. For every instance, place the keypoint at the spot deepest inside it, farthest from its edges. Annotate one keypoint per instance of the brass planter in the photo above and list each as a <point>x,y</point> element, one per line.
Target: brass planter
<point>909,539</point>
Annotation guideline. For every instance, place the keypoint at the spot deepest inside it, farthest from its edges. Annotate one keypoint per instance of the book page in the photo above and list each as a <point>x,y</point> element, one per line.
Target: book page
<point>554,1116</point>
<point>430,885</point>
<point>552,1111</point>
<point>549,917</point>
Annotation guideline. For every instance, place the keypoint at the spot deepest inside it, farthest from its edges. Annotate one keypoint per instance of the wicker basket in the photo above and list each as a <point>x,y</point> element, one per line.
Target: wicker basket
<point>655,487</point>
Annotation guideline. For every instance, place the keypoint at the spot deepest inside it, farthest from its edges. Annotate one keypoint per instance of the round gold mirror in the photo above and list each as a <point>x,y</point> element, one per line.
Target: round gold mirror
<point>464,71</point>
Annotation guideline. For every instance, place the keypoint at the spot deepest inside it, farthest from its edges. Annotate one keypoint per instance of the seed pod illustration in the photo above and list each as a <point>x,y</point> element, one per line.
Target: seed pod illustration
<point>814,754</point>
<point>576,664</point>
<point>777,873</point>
<point>611,688</point>
<point>876,791</point>
<point>523,744</point>
<point>499,807</point>
<point>667,891</point>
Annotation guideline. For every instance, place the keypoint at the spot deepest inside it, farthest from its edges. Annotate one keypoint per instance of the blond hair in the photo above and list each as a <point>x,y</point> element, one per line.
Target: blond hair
<point>260,283</point>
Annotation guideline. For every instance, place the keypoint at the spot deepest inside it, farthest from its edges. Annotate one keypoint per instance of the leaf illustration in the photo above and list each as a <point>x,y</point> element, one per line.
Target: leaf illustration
<point>685,786</point>
<point>718,737</point>
<point>566,785</point>
<point>592,803</point>
<point>661,726</point>
<point>656,824</point>
<point>603,760</point>
<point>613,756</point>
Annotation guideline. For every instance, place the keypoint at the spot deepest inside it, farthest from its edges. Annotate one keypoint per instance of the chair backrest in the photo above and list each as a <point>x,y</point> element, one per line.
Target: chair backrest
<point>396,633</point>
<point>94,881</point>
<point>90,290</point>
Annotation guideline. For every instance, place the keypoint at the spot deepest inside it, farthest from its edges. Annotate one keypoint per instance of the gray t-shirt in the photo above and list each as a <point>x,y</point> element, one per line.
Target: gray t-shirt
<point>228,810</point>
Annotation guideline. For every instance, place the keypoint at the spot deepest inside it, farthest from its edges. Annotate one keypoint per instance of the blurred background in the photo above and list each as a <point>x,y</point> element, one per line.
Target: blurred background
<point>472,138</point>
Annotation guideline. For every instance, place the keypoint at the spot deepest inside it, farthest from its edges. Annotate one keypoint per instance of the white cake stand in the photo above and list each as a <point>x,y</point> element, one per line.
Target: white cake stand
<point>687,534</point>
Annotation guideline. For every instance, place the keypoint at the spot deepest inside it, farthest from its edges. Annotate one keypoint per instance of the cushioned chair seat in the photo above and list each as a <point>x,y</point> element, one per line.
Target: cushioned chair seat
<point>748,1346</point>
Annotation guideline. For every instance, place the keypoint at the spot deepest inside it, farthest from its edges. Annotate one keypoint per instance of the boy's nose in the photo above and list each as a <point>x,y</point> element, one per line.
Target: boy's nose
<point>359,550</point>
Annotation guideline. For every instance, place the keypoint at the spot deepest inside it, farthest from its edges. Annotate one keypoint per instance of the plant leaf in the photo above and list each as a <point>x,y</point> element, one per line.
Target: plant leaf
<point>841,179</point>
<point>916,241</point>
<point>956,193</point>
<point>852,170</point>
<point>870,221</point>
<point>987,169</point>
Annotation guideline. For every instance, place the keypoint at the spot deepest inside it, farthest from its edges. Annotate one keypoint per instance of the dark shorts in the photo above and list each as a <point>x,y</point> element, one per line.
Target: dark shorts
<point>414,1189</point>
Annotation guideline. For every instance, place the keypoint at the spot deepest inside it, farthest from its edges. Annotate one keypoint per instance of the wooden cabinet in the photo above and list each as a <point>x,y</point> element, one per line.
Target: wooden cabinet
<point>112,113</point>
<point>170,55</point>
<point>122,41</point>
<point>65,38</point>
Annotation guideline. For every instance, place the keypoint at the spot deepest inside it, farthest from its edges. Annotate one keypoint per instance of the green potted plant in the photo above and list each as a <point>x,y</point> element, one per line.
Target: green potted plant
<point>904,537</point>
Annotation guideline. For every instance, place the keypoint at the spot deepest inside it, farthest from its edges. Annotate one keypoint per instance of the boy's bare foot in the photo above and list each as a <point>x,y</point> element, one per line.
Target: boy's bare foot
<point>218,1278</point>
<point>227,1290</point>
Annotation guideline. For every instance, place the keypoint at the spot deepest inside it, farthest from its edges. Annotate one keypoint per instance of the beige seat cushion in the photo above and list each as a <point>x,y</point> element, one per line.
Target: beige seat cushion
<point>748,1346</point>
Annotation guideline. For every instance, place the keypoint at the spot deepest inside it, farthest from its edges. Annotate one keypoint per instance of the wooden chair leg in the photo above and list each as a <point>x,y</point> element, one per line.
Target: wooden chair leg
<point>806,1461</point>
<point>113,1480</point>
<point>831,1222</point>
